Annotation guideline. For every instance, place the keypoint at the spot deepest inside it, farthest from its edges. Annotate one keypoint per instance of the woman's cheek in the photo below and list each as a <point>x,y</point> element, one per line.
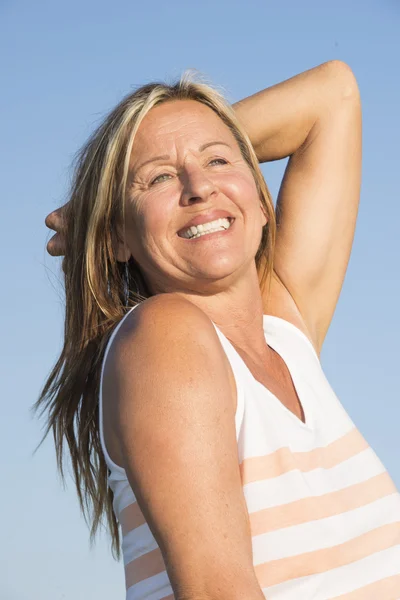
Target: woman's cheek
<point>159,214</point>
<point>242,190</point>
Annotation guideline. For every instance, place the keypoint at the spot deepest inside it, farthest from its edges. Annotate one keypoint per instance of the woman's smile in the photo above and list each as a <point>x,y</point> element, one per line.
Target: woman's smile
<point>209,229</point>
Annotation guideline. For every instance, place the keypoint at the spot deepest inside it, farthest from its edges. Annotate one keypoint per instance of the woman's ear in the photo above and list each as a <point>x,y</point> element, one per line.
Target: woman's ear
<point>264,215</point>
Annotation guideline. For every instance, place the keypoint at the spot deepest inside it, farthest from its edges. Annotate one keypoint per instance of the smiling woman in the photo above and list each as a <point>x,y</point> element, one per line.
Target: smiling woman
<point>184,187</point>
<point>189,389</point>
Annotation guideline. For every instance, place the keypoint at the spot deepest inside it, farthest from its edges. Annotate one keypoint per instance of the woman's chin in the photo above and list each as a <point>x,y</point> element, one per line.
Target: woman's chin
<point>214,272</point>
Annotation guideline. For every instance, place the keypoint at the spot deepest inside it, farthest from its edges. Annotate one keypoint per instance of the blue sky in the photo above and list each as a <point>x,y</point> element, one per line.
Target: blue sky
<point>63,66</point>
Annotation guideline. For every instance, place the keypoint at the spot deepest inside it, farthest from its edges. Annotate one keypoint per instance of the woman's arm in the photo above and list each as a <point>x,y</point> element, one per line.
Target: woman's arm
<point>315,118</point>
<point>176,431</point>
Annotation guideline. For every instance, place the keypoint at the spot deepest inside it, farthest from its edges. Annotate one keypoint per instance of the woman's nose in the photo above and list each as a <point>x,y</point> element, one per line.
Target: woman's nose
<point>197,185</point>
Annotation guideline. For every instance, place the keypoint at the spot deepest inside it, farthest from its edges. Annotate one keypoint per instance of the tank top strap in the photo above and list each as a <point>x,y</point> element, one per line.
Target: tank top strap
<point>116,472</point>
<point>290,339</point>
<point>239,372</point>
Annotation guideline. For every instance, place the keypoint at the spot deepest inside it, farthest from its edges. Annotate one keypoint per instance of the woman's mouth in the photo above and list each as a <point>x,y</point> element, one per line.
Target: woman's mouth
<point>196,231</point>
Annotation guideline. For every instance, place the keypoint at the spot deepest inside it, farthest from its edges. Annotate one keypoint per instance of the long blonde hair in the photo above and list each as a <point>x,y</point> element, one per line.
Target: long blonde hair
<point>99,289</point>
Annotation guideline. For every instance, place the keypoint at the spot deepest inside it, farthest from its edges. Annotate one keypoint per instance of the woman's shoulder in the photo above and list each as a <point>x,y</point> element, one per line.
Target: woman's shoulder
<point>170,303</point>
<point>163,325</point>
<point>166,347</point>
<point>166,315</point>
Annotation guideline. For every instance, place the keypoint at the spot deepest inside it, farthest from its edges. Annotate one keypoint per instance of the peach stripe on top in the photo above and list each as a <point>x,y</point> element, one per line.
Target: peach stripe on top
<point>148,565</point>
<point>320,507</point>
<point>325,559</point>
<point>385,589</point>
<point>282,461</point>
<point>300,511</point>
<point>131,517</point>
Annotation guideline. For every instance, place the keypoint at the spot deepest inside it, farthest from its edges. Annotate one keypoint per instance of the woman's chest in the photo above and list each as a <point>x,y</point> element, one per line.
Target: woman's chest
<point>277,379</point>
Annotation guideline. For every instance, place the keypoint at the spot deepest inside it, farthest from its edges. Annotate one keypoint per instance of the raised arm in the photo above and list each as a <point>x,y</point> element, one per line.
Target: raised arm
<point>175,418</point>
<point>315,119</point>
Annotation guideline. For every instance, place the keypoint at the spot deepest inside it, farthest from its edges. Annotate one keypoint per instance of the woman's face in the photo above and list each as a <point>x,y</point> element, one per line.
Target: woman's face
<point>186,165</point>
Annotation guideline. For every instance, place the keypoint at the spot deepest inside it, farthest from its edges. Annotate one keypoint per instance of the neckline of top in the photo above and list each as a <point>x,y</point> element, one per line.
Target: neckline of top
<point>307,411</point>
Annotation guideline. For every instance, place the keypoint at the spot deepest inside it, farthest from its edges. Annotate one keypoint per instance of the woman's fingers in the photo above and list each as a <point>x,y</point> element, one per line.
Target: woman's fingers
<point>56,245</point>
<point>56,221</point>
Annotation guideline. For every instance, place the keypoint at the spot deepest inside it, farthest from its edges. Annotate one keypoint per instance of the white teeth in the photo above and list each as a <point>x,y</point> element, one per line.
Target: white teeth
<point>197,231</point>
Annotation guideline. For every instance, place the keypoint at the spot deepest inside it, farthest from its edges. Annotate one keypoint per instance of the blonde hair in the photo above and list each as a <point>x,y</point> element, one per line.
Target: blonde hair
<point>99,289</point>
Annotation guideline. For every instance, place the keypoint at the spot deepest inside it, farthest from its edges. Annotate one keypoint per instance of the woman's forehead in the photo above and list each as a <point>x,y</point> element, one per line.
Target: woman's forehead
<point>179,121</point>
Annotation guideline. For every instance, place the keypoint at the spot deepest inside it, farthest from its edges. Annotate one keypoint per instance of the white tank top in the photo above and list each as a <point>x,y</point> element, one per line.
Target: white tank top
<point>324,512</point>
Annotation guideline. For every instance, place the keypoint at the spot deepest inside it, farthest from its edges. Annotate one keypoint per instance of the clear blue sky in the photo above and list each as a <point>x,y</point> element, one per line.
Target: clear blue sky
<point>63,66</point>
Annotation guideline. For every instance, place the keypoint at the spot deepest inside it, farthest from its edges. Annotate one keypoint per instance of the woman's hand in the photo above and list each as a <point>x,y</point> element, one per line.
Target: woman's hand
<point>56,221</point>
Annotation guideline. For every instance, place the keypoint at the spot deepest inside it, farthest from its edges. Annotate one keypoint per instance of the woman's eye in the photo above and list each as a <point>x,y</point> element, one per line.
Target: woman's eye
<point>159,178</point>
<point>220,160</point>
<point>164,176</point>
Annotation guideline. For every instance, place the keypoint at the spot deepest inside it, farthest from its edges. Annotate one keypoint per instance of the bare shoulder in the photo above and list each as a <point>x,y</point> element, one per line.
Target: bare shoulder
<point>166,314</point>
<point>164,329</point>
<point>165,348</point>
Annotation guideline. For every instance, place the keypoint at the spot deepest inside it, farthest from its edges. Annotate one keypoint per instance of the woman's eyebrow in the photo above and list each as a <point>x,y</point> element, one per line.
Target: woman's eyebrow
<point>216,143</point>
<point>166,156</point>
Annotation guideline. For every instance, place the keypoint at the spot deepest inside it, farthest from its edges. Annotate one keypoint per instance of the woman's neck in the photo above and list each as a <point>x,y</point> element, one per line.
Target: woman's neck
<point>238,312</point>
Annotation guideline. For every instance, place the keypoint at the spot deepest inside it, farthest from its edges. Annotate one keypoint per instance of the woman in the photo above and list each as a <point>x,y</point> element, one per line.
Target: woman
<point>189,381</point>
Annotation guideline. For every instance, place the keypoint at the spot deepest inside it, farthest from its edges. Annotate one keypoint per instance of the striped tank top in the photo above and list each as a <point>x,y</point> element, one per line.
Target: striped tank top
<point>324,512</point>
